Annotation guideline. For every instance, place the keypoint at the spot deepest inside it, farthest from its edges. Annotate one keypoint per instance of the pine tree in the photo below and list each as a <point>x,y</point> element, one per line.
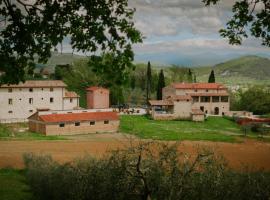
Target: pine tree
<point>148,82</point>
<point>161,84</point>
<point>212,78</point>
<point>189,78</point>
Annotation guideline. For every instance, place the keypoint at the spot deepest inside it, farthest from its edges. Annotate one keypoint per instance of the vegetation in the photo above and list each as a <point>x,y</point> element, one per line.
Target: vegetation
<point>148,82</point>
<point>13,185</point>
<point>249,17</point>
<point>145,171</point>
<point>213,129</point>
<point>161,84</point>
<point>212,77</point>
<point>19,131</point>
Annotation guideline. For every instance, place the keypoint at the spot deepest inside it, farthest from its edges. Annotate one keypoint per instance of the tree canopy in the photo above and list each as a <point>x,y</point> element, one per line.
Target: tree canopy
<point>31,29</point>
<point>248,17</point>
<point>212,78</point>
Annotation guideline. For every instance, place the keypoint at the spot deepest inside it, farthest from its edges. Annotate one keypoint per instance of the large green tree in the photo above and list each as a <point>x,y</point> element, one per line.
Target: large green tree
<point>148,81</point>
<point>161,84</point>
<point>249,16</point>
<point>212,78</point>
<point>31,29</point>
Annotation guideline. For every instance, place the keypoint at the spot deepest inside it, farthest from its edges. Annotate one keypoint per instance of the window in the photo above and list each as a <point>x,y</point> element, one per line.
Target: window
<point>225,99</point>
<point>92,123</point>
<point>206,90</point>
<point>69,112</point>
<point>106,122</point>
<point>9,101</point>
<point>77,123</point>
<point>62,125</point>
<point>30,111</point>
<point>205,99</point>
<point>42,89</point>
<point>196,90</point>
<point>51,89</point>
<point>42,98</point>
<point>10,112</point>
<point>9,90</point>
<point>31,100</point>
<point>20,99</point>
<point>30,89</point>
<point>215,99</point>
<point>195,99</point>
<point>51,100</point>
<point>70,100</point>
<point>202,108</point>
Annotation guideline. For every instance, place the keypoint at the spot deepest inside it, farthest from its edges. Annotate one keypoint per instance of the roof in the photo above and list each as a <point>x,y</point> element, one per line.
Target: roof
<point>71,95</point>
<point>198,86</point>
<point>93,88</point>
<point>36,84</point>
<point>71,117</point>
<point>180,97</point>
<point>197,112</point>
<point>208,94</point>
<point>161,103</point>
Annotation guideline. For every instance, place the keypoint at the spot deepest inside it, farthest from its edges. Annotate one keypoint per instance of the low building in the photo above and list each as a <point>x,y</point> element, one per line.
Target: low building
<point>18,102</point>
<point>98,98</point>
<point>73,122</point>
<point>191,101</point>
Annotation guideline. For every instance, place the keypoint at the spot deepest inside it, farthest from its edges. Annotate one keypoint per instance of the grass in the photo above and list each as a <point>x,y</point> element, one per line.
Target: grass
<point>19,131</point>
<point>213,129</point>
<point>13,185</point>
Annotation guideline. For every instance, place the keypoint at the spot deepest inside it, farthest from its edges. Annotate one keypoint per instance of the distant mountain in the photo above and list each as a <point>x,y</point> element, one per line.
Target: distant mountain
<point>239,70</point>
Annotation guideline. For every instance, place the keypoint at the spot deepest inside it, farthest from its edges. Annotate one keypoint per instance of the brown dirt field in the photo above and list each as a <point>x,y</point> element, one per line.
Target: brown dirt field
<point>249,153</point>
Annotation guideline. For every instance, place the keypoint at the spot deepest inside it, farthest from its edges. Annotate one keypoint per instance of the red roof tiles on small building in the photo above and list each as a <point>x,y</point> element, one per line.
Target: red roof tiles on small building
<point>72,117</point>
<point>198,86</point>
<point>37,84</point>
<point>94,88</point>
<point>180,97</point>
<point>71,95</point>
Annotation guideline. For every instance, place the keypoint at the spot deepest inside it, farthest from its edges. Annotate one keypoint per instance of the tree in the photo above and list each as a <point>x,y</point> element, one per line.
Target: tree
<point>148,82</point>
<point>248,16</point>
<point>189,76</point>
<point>212,78</point>
<point>195,79</point>
<point>161,84</point>
<point>31,29</point>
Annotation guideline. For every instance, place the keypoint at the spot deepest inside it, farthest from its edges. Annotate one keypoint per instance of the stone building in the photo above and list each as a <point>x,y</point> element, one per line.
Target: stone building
<point>73,122</point>
<point>191,101</point>
<point>18,102</point>
<point>98,98</point>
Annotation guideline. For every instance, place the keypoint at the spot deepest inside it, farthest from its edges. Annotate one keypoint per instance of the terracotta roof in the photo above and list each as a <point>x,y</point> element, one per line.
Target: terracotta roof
<point>209,94</point>
<point>161,103</point>
<point>71,95</point>
<point>180,97</point>
<point>37,84</point>
<point>197,112</point>
<point>72,117</point>
<point>93,88</point>
<point>198,86</point>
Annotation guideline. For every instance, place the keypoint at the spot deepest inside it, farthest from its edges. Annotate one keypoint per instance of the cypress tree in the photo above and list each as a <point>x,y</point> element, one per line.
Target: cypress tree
<point>189,79</point>
<point>161,84</point>
<point>212,78</point>
<point>148,82</point>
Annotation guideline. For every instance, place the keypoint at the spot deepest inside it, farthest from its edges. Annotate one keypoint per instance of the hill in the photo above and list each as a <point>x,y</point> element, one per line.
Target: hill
<point>243,70</point>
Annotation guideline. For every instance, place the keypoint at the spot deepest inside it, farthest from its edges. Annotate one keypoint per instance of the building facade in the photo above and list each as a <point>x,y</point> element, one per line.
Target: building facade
<point>98,98</point>
<point>192,100</point>
<point>18,102</point>
<point>73,123</point>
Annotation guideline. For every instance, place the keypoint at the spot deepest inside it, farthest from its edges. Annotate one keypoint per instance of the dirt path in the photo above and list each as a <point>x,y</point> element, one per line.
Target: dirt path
<point>249,153</point>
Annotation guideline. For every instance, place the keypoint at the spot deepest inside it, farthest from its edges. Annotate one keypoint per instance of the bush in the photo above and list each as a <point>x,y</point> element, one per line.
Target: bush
<point>147,171</point>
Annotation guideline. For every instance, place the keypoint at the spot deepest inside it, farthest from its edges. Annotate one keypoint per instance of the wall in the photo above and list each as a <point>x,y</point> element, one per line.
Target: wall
<point>224,107</point>
<point>197,118</point>
<point>98,99</point>
<point>84,128</point>
<point>168,91</point>
<point>70,105</point>
<point>182,109</point>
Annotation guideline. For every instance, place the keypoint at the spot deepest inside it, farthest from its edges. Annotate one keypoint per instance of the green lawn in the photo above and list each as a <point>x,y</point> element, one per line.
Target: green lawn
<point>213,129</point>
<point>13,185</point>
<point>11,132</point>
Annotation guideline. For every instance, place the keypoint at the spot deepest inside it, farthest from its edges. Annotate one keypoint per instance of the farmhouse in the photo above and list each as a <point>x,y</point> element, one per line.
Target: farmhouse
<point>73,122</point>
<point>18,102</point>
<point>191,101</point>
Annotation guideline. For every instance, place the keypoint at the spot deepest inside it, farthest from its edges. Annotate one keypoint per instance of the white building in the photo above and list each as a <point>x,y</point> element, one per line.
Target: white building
<point>18,102</point>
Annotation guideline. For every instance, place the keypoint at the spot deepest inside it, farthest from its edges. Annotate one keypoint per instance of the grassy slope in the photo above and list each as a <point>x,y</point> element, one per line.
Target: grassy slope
<point>13,185</point>
<point>248,69</point>
<point>214,129</point>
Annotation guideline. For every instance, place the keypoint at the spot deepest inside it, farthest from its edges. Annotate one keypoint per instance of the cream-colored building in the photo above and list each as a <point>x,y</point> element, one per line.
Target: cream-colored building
<point>191,101</point>
<point>18,102</point>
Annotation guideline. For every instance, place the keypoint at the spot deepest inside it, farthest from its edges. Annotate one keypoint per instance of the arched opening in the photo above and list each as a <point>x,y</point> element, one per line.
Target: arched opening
<point>216,111</point>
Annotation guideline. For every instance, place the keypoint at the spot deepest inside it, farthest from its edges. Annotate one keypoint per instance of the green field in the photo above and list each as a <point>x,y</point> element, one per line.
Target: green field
<point>213,129</point>
<point>13,185</point>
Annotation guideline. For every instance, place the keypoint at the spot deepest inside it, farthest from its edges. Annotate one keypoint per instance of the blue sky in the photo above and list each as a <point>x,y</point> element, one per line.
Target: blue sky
<point>185,32</point>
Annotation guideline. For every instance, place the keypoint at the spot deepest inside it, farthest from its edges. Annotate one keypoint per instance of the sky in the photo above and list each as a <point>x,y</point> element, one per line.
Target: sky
<point>185,32</point>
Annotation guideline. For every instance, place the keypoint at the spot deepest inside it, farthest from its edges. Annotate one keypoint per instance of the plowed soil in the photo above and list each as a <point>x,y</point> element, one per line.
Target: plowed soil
<point>250,153</point>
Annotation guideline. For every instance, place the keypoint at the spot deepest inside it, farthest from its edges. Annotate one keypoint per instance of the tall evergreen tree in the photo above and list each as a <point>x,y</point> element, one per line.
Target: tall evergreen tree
<point>161,84</point>
<point>212,78</point>
<point>189,78</point>
<point>148,81</point>
<point>195,79</point>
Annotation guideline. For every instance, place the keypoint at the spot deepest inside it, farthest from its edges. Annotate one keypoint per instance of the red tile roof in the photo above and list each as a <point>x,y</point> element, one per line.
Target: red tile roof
<point>71,95</point>
<point>37,84</point>
<point>198,86</point>
<point>72,117</point>
<point>161,103</point>
<point>93,88</point>
<point>180,97</point>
